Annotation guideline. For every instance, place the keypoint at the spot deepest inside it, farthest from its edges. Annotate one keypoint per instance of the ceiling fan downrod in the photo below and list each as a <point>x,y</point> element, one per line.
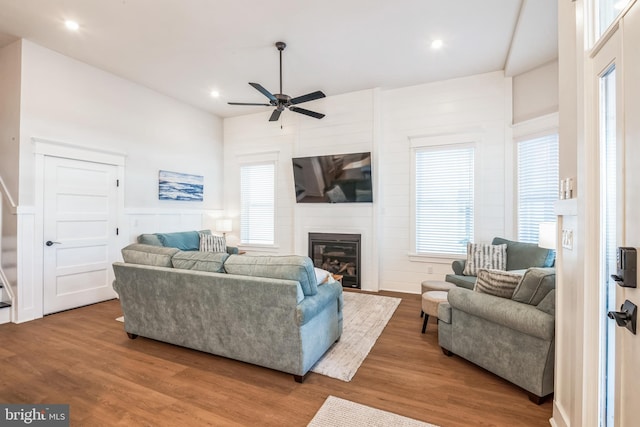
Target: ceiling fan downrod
<point>281,46</point>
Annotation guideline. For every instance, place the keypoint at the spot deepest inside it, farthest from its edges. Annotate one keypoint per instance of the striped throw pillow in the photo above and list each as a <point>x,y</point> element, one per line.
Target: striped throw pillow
<point>211,243</point>
<point>497,282</point>
<point>493,257</point>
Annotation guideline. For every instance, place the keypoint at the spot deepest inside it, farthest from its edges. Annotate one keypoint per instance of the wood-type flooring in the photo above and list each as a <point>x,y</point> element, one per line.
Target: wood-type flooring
<point>83,357</point>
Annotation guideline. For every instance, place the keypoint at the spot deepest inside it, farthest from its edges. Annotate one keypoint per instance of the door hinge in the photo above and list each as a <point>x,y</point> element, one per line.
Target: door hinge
<point>117,231</point>
<point>117,183</point>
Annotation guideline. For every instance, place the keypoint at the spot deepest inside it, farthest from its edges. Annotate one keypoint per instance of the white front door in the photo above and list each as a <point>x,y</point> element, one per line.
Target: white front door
<point>80,229</point>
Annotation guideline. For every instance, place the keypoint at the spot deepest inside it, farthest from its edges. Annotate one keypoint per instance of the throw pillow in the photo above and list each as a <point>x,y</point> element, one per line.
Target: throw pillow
<point>497,282</point>
<point>211,243</point>
<point>322,276</point>
<point>479,256</point>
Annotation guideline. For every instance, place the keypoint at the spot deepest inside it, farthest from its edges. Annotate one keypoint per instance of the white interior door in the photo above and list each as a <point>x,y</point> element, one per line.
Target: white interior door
<point>80,229</point>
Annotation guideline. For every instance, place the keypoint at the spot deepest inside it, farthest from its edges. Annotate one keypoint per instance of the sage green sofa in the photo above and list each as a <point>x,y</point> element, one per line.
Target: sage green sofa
<point>268,311</point>
<point>520,256</point>
<point>513,338</point>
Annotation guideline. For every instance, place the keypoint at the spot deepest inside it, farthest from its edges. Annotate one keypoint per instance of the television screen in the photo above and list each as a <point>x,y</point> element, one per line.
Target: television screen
<point>340,178</point>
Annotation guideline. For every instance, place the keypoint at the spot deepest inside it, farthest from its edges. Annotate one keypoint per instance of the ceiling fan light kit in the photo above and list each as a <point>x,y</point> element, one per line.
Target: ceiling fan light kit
<point>282,101</point>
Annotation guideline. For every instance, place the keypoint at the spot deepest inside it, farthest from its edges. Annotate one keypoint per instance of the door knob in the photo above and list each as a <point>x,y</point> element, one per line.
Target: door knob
<point>50,243</point>
<point>626,317</point>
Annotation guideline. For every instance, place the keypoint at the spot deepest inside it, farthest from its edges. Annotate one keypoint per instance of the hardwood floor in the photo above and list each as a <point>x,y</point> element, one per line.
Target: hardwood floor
<point>83,357</point>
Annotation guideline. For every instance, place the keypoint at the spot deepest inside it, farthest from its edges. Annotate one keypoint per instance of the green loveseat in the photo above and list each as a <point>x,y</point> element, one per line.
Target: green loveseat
<point>520,256</point>
<point>513,338</point>
<point>268,311</point>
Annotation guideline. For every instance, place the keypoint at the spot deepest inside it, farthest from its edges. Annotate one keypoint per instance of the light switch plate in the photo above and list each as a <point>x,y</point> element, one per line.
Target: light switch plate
<point>567,239</point>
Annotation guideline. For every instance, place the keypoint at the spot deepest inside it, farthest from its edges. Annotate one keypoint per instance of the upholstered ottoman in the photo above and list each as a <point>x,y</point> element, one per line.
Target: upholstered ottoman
<point>430,302</point>
<point>435,285</point>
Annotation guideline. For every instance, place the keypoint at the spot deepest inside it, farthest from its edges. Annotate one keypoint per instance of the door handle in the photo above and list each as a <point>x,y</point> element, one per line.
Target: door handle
<point>626,317</point>
<point>50,243</point>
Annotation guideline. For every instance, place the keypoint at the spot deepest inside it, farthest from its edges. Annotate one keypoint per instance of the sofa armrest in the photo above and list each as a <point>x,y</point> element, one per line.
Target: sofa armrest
<point>515,315</point>
<point>458,266</point>
<point>232,250</point>
<point>314,304</point>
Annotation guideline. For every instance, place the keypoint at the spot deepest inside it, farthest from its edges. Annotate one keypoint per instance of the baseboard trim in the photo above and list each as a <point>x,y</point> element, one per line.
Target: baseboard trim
<point>559,418</point>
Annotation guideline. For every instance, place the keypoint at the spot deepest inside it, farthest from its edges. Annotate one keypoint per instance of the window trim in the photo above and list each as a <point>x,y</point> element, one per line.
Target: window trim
<point>469,139</point>
<point>538,127</point>
<point>267,157</point>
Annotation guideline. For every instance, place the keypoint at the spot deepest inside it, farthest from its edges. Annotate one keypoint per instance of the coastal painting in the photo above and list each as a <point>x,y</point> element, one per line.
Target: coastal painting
<point>180,186</point>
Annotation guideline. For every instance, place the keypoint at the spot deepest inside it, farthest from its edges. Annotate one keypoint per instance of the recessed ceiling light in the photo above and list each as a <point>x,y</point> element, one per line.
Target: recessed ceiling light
<point>71,25</point>
<point>436,44</point>
<point>215,94</point>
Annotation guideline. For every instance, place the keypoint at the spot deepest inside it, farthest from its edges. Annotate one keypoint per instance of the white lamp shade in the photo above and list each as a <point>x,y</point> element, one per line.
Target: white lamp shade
<point>547,235</point>
<point>223,225</point>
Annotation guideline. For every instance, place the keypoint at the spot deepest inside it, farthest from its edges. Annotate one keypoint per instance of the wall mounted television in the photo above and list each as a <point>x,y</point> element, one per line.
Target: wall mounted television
<point>339,178</point>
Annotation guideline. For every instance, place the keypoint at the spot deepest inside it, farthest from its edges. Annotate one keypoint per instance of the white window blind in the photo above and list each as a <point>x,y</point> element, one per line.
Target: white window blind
<point>537,184</point>
<point>257,204</point>
<point>444,198</point>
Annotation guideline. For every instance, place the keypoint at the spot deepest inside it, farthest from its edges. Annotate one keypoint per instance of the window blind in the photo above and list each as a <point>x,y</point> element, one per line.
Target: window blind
<point>444,201</point>
<point>537,184</point>
<point>257,204</point>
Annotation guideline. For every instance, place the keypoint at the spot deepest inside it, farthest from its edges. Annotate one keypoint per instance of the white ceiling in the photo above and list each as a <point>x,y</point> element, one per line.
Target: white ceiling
<point>186,48</point>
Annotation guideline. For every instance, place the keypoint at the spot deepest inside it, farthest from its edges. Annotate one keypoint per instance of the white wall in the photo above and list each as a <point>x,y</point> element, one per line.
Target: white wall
<point>535,93</point>
<point>10,116</point>
<point>71,102</point>
<point>380,121</point>
<point>478,105</point>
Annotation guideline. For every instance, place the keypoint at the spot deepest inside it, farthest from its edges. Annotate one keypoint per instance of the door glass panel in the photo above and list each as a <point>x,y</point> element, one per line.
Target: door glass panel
<point>608,205</point>
<point>608,11</point>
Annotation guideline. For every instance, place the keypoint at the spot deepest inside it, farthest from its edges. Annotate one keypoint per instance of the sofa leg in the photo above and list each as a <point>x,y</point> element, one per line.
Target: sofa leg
<point>132,336</point>
<point>424,323</point>
<point>300,378</point>
<point>446,352</point>
<point>538,400</point>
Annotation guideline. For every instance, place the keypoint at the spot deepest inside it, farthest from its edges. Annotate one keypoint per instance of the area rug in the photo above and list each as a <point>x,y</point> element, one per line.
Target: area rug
<point>364,318</point>
<point>336,412</point>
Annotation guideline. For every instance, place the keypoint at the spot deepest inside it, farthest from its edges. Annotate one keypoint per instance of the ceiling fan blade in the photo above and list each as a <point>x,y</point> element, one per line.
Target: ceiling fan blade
<point>275,115</point>
<point>306,112</point>
<point>308,97</point>
<point>248,103</point>
<point>263,91</point>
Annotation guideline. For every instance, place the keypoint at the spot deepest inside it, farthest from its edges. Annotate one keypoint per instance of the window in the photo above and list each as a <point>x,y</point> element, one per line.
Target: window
<point>257,204</point>
<point>444,198</point>
<point>607,12</point>
<point>537,184</point>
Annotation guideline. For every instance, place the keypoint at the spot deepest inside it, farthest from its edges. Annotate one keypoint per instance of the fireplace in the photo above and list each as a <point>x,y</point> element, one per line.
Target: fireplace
<point>338,254</point>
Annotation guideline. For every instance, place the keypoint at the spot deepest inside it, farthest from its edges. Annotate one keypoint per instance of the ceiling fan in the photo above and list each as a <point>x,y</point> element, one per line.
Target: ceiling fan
<point>282,101</point>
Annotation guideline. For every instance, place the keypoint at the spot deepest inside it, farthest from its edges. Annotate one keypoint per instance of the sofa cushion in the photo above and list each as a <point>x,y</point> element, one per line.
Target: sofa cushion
<point>149,239</point>
<point>211,243</point>
<point>535,285</point>
<point>201,261</point>
<point>524,255</point>
<point>291,267</point>
<point>548,303</point>
<point>157,256</point>
<point>497,282</point>
<point>485,256</point>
